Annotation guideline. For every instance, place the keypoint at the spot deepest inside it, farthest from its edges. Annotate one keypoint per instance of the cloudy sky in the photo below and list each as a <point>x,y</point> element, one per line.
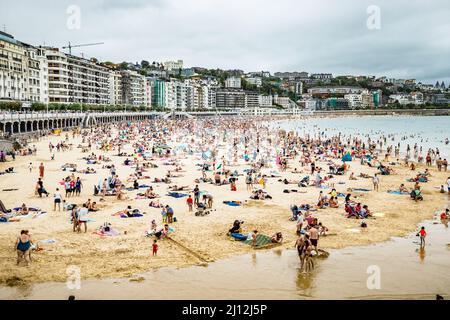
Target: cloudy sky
<point>410,40</point>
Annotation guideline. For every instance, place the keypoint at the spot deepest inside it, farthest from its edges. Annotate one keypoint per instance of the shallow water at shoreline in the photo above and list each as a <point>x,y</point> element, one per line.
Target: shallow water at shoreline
<point>429,132</point>
<point>406,273</point>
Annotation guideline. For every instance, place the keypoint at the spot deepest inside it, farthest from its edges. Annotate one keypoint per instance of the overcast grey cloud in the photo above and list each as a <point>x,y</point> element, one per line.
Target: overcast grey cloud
<point>283,35</point>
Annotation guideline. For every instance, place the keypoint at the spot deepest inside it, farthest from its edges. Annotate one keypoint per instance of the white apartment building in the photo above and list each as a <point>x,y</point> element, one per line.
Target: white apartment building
<point>285,102</point>
<point>13,69</point>
<point>177,96</point>
<point>265,101</point>
<point>256,81</point>
<point>200,94</point>
<point>309,104</point>
<point>412,98</point>
<point>134,88</point>
<point>43,75</point>
<point>88,81</point>
<point>233,82</point>
<point>173,65</point>
<point>73,79</point>
<point>115,88</point>
<point>355,100</point>
<point>58,76</point>
<point>33,71</point>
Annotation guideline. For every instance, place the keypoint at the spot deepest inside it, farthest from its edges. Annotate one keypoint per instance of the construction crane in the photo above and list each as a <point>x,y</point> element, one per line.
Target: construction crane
<point>70,46</point>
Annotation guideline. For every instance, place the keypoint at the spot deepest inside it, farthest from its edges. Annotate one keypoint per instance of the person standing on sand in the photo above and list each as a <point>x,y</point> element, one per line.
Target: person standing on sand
<point>169,211</point>
<point>57,199</point>
<point>154,247</point>
<point>196,195</point>
<point>189,202</point>
<point>82,218</point>
<point>376,182</point>
<point>41,170</point>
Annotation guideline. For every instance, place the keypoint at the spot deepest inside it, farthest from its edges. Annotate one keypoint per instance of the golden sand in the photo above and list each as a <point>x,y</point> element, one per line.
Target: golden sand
<point>129,254</point>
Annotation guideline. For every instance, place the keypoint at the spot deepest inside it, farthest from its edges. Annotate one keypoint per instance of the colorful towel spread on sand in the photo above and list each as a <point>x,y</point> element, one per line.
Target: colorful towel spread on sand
<point>360,190</point>
<point>261,240</point>
<point>133,215</point>
<point>177,194</point>
<point>233,203</point>
<point>29,209</point>
<point>111,233</point>
<point>398,193</point>
<point>239,237</point>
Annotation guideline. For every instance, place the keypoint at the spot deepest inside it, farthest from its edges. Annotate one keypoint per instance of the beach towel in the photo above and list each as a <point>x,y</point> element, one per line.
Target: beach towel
<point>398,193</point>
<point>239,237</point>
<point>177,194</point>
<point>29,209</point>
<point>110,233</point>
<point>233,203</point>
<point>47,241</point>
<point>361,190</point>
<point>261,240</point>
<point>133,215</point>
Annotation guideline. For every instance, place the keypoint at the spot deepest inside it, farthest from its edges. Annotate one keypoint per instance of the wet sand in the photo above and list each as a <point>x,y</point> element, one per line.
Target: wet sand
<point>405,273</point>
<point>130,254</point>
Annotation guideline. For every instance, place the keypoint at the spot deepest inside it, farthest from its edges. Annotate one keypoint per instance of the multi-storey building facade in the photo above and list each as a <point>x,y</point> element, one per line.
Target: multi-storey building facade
<point>256,81</point>
<point>58,76</point>
<point>233,82</point>
<point>177,95</point>
<point>43,75</point>
<point>13,69</point>
<point>134,89</point>
<point>115,88</point>
<point>158,92</point>
<point>265,101</point>
<point>88,81</point>
<point>230,99</point>
<point>251,99</point>
<point>173,65</point>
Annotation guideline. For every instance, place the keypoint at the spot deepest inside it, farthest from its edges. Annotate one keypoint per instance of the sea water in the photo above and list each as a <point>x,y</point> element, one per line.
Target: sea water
<point>427,132</point>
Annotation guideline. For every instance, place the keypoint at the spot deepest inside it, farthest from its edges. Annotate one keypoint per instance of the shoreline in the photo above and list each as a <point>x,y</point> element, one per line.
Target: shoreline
<point>28,291</point>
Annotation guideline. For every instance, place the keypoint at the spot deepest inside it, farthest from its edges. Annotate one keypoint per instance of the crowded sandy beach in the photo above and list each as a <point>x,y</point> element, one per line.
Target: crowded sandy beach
<point>119,200</point>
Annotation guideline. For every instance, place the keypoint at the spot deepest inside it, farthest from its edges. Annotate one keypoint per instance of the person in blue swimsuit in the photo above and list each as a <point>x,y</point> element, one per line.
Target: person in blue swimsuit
<point>23,247</point>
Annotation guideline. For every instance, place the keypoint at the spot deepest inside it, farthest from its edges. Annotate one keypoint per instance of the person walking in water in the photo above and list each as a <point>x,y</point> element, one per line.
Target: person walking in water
<point>422,234</point>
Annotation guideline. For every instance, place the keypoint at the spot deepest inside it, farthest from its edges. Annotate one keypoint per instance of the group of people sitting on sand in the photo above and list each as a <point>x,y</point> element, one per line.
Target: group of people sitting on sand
<point>325,201</point>
<point>356,210</point>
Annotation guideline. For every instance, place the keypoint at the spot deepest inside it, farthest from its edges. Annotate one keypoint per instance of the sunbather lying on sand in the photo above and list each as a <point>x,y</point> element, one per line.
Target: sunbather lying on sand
<point>178,188</point>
